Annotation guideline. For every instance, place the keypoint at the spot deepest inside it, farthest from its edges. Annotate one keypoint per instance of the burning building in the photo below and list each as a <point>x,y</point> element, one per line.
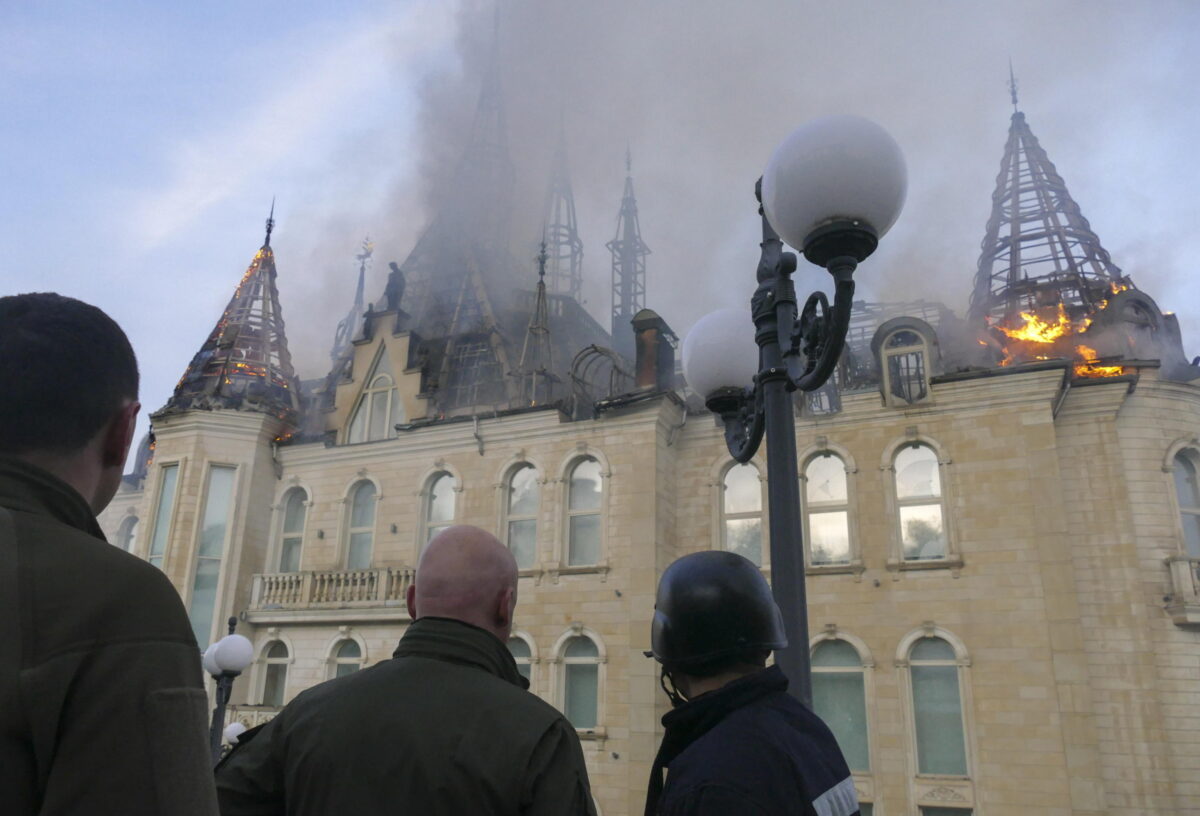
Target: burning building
<point>1001,512</point>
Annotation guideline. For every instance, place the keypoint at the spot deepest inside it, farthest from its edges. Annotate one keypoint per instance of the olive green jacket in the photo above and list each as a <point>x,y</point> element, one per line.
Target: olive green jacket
<point>102,707</point>
<point>444,728</point>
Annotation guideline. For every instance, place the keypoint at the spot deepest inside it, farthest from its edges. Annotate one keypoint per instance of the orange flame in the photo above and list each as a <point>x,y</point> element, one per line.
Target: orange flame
<point>1036,332</point>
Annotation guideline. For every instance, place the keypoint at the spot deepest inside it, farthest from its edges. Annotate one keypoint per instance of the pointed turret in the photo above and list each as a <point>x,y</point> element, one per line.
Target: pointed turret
<point>629,253</point>
<point>535,373</point>
<point>348,327</point>
<point>244,364</point>
<point>564,273</point>
<point>1039,250</point>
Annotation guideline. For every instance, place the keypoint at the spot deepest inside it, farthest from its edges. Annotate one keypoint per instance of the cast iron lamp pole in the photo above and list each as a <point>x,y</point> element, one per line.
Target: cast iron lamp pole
<point>804,194</point>
<point>225,660</point>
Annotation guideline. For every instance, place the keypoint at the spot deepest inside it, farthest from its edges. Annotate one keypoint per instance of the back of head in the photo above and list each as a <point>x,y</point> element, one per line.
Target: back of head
<point>714,609</point>
<point>466,574</point>
<point>66,368</point>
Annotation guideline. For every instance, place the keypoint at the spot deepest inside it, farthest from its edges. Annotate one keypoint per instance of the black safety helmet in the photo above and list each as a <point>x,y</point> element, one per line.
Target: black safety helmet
<point>711,606</point>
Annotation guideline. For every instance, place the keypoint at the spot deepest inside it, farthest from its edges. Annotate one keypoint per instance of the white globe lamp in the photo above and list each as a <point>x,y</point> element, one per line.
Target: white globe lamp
<point>719,352</point>
<point>233,654</point>
<point>834,187</point>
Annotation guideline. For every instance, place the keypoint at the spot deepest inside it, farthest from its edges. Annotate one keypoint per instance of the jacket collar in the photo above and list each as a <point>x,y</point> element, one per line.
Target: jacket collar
<point>31,489</point>
<point>454,641</point>
<point>695,718</point>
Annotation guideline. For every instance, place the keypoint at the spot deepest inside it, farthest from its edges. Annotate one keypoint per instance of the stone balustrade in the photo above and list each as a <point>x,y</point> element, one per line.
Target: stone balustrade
<point>377,593</point>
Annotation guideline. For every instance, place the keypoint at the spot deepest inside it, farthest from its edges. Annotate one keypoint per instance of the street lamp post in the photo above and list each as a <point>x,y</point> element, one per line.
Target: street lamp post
<point>225,660</point>
<point>832,189</point>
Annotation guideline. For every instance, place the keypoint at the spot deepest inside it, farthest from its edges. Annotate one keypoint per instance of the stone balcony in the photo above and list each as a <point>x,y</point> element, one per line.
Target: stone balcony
<point>1184,602</point>
<point>333,596</point>
<point>250,715</point>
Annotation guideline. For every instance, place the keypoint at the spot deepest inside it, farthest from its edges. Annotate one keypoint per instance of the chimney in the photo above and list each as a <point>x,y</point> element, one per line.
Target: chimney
<point>655,347</point>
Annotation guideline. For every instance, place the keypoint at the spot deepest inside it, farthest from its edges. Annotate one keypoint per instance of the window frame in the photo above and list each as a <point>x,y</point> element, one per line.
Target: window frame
<point>424,524</point>
<point>563,534</point>
<point>855,564</point>
<point>394,406</point>
<point>505,517</point>
<point>348,519</point>
<point>232,514</point>
<point>333,661</point>
<point>721,516</point>
<point>127,532</point>
<point>560,661</point>
<point>922,785</point>
<point>953,559</point>
<point>863,780</point>
<point>1189,453</point>
<point>529,642</point>
<point>263,664</point>
<point>157,508</point>
<point>280,526</point>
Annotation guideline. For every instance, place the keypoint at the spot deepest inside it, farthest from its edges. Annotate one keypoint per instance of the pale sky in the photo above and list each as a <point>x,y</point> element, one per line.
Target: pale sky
<point>142,142</point>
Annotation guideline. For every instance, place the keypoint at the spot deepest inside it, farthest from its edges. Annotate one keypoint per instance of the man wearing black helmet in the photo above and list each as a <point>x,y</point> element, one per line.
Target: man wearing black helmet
<point>735,741</point>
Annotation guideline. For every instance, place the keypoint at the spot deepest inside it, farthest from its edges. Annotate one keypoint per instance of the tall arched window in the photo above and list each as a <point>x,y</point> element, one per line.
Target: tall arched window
<point>1187,491</point>
<point>839,698</point>
<point>292,532</point>
<point>520,517</point>
<point>584,494</point>
<point>919,502</point>
<point>523,655</point>
<point>378,410</point>
<point>439,503</point>
<point>827,510</point>
<point>581,681</point>
<point>127,533</point>
<point>347,658</point>
<point>937,708</point>
<point>360,532</point>
<point>741,512</point>
<point>162,514</point>
<point>276,659</point>
<point>904,366</point>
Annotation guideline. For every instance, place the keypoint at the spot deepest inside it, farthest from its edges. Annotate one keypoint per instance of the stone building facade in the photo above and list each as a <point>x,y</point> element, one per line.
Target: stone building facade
<point>1004,551</point>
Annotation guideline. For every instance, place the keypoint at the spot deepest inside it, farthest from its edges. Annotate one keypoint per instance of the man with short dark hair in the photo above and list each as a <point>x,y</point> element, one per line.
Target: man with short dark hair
<point>444,728</point>
<point>736,741</point>
<point>102,707</point>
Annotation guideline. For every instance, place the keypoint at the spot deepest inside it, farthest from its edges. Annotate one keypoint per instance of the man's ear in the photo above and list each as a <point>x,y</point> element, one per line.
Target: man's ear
<point>410,599</point>
<point>118,435</point>
<point>504,608</point>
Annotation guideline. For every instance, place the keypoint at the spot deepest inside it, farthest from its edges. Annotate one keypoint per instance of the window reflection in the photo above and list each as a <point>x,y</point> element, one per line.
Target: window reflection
<point>827,508</point>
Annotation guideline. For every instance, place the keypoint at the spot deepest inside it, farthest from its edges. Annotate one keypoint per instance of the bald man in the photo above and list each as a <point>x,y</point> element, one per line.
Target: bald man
<point>444,727</point>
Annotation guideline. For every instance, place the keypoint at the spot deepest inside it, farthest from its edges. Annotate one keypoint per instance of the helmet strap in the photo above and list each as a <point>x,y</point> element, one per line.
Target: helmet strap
<point>672,693</point>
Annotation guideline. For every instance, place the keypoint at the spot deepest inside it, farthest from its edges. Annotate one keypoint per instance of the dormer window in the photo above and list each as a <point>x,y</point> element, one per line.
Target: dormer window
<point>904,369</point>
<point>378,410</point>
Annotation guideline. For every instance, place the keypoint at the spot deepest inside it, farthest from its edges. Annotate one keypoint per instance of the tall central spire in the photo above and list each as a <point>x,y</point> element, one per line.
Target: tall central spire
<point>1038,249</point>
<point>564,273</point>
<point>629,253</point>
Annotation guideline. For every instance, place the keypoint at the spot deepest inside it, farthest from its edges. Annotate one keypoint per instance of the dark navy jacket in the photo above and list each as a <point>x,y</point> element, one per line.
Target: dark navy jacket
<point>750,748</point>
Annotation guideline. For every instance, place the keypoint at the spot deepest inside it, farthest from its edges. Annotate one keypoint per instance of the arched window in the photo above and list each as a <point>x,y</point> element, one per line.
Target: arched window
<point>919,502</point>
<point>584,494</point>
<point>292,533</point>
<point>210,549</point>
<point>162,514</point>
<point>827,510</point>
<point>523,655</point>
<point>360,533</point>
<point>439,503</point>
<point>347,658</point>
<point>127,533</point>
<point>839,698</point>
<point>520,516</point>
<point>937,708</point>
<point>741,512</point>
<point>1187,491</point>
<point>378,410</point>
<point>276,659</point>
<point>581,681</point>
<point>904,366</point>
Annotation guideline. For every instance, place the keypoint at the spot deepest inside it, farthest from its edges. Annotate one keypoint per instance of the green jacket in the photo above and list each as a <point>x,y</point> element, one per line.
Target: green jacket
<point>102,707</point>
<point>445,728</point>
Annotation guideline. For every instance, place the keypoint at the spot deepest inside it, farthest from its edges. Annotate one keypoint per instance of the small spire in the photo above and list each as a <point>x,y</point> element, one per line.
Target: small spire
<point>541,259</point>
<point>270,223</point>
<point>1012,85</point>
<point>628,161</point>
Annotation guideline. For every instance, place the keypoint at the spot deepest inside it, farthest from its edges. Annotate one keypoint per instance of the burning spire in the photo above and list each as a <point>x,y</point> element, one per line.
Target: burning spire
<point>244,364</point>
<point>629,253</point>
<point>535,372</point>
<point>348,326</point>
<point>565,273</point>
<point>1039,250</point>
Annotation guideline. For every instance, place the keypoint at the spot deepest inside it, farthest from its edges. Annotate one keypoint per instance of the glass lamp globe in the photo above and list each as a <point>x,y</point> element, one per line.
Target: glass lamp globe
<point>719,352</point>
<point>208,660</point>
<point>233,653</point>
<point>233,731</point>
<point>838,172</point>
